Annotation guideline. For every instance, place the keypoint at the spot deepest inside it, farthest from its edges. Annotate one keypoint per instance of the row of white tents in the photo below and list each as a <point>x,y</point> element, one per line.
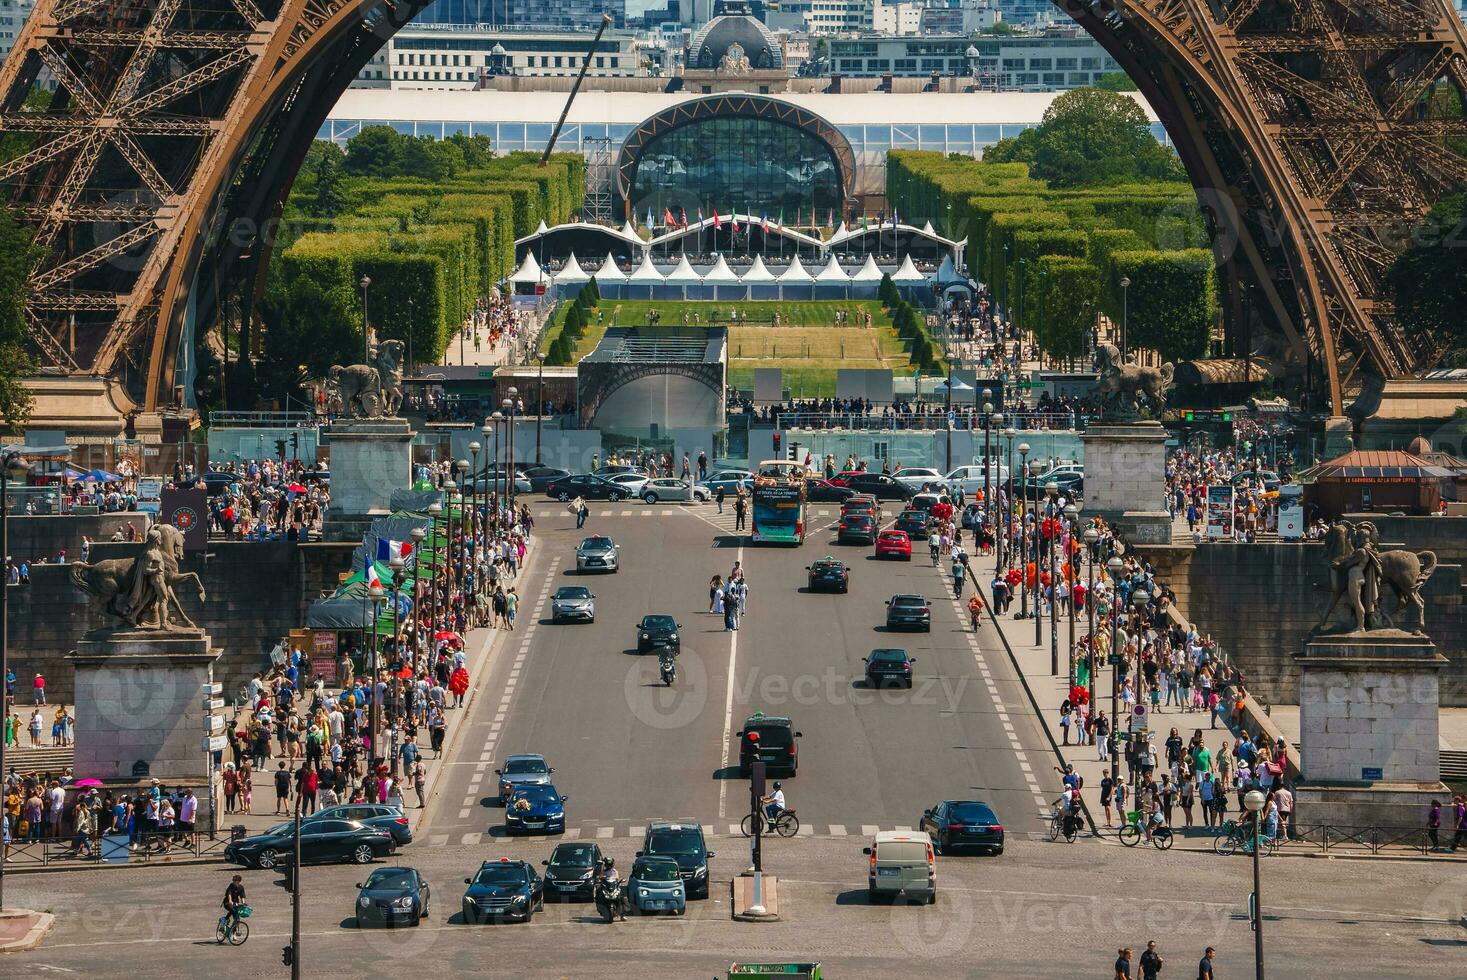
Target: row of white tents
<point>721,282</point>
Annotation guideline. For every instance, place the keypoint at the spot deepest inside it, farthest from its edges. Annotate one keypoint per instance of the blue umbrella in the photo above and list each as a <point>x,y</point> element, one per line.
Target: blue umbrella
<point>100,476</point>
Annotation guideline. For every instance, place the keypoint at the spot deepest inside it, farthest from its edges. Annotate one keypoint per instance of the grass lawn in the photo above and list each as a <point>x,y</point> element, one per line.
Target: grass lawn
<point>807,345</point>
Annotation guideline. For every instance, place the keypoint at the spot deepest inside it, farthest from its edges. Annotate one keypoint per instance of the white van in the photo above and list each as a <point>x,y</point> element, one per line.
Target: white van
<point>902,864</point>
<point>972,477</point>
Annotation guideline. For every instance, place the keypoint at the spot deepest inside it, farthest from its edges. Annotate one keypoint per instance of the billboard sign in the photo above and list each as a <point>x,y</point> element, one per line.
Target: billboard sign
<point>1219,513</point>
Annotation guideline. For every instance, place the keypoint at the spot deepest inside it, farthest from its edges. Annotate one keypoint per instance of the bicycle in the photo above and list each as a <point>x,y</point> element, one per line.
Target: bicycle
<point>1131,832</point>
<point>235,933</point>
<point>785,824</point>
<point>1239,837</point>
<point>1059,826</point>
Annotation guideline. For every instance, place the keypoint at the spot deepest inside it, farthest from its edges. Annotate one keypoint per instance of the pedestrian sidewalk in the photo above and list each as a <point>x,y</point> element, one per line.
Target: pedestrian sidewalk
<point>44,759</point>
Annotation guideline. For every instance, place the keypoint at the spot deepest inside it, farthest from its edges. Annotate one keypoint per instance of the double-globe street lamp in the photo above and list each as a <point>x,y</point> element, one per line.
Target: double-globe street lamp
<point>435,509</point>
<point>1092,538</point>
<point>1116,568</point>
<point>395,563</point>
<point>1023,542</point>
<point>1139,598</point>
<point>1035,468</point>
<point>417,534</point>
<point>1006,545</point>
<point>1072,553</point>
<point>1253,802</point>
<point>1051,520</point>
<point>475,490</point>
<point>374,717</point>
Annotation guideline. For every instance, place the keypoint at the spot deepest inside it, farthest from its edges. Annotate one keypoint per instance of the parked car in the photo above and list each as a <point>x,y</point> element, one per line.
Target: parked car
<point>598,553</point>
<point>493,482</point>
<point>894,544</point>
<point>633,482</point>
<point>587,486</point>
<point>503,889</point>
<point>525,769</point>
<point>729,480</point>
<point>392,896</point>
<point>541,477</point>
<point>908,611</point>
<point>671,489</point>
<point>843,478</point>
<point>573,602</point>
<point>918,477</point>
<point>383,816</point>
<point>902,864</point>
<point>962,823</point>
<point>571,870</point>
<point>888,666</point>
<point>326,840</point>
<point>656,885</point>
<point>881,486</point>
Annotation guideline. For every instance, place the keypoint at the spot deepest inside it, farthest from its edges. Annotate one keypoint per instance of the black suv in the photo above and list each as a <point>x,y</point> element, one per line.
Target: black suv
<point>888,666</point>
<point>683,842</point>
<point>585,486</point>
<point>658,633</point>
<point>907,611</point>
<point>880,486</point>
<point>571,870</point>
<point>829,573</point>
<point>771,740</point>
<point>503,889</point>
<point>914,522</point>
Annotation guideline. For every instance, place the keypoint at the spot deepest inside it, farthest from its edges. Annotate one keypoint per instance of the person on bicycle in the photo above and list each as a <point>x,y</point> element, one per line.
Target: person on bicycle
<point>959,573</point>
<point>1068,806</point>
<point>234,897</point>
<point>934,547</point>
<point>773,803</point>
<point>975,609</point>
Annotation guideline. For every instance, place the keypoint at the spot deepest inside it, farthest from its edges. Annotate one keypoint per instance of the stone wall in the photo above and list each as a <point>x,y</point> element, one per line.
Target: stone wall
<point>258,592</point>
<point>34,537</point>
<point>1259,602</point>
<point>1446,536</point>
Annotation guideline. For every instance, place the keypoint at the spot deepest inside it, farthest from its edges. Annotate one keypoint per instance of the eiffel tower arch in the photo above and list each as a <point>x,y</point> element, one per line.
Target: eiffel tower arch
<point>153,175</point>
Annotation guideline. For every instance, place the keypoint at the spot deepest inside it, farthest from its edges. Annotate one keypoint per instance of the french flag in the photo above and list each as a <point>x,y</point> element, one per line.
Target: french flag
<point>372,578</point>
<point>387,550</point>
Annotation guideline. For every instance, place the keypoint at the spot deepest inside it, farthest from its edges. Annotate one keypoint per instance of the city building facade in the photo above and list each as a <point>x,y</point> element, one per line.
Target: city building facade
<point>433,56</point>
<point>12,18</point>
<point>531,14</point>
<point>1041,63</point>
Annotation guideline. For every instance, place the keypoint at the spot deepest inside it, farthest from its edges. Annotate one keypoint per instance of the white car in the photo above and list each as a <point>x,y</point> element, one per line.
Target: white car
<point>667,488</point>
<point>917,477</point>
<point>632,482</point>
<point>972,477</point>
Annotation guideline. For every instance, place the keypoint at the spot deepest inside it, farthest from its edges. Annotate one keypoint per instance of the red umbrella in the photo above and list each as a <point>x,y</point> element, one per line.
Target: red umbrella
<point>85,783</point>
<point>448,635</point>
<point>295,488</point>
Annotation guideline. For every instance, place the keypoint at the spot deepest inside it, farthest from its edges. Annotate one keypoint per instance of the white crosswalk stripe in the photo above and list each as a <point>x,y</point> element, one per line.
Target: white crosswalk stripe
<point>837,830</point>
<point>437,840</point>
<point>472,840</point>
<point>868,830</point>
<point>605,833</point>
<point>637,832</point>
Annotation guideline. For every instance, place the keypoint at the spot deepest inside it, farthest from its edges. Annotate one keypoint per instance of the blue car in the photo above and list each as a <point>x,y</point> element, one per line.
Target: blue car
<point>535,810</point>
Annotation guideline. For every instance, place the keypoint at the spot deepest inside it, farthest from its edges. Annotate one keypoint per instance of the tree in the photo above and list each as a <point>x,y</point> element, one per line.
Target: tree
<point>1115,81</point>
<point>430,159</point>
<point>1171,303</point>
<point>327,201</point>
<point>374,152</point>
<point>1068,292</point>
<point>478,151</point>
<point>1090,136</point>
<point>17,255</point>
<point>307,324</point>
<point>1429,279</point>
<point>1014,149</point>
<point>1002,28</point>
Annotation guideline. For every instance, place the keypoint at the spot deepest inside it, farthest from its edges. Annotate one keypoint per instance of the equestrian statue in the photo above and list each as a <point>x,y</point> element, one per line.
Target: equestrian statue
<point>140,591</point>
<point>369,391</point>
<point>1359,572</point>
<point>1122,383</point>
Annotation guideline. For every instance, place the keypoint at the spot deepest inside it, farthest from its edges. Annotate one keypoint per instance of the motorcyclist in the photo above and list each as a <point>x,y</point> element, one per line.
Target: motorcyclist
<point>610,876</point>
<point>666,661</point>
<point>774,802</point>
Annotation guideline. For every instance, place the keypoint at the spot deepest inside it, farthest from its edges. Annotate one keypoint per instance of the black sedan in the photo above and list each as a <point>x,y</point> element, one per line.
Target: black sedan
<point>586,486</point>
<point>383,816</point>
<point>909,611</point>
<point>825,492</point>
<point>324,840</point>
<point>880,486</point>
<point>856,529</point>
<point>392,897</point>
<point>571,870</point>
<point>541,477</point>
<point>658,633</point>
<point>828,574</point>
<point>914,522</point>
<point>885,667</point>
<point>954,824</point>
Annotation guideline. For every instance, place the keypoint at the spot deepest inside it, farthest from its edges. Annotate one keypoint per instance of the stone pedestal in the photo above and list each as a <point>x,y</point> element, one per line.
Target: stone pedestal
<point>1125,479</point>
<point>1339,436</point>
<point>140,709</point>
<point>1369,708</point>
<point>370,458</point>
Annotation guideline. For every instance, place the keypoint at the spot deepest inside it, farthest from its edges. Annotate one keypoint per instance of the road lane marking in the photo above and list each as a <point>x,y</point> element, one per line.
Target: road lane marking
<point>636,831</point>
<point>605,833</point>
<point>733,653</point>
<point>867,830</point>
<point>837,830</point>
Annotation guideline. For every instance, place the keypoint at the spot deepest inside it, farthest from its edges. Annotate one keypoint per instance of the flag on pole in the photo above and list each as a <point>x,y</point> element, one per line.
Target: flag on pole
<point>717,221</point>
<point>765,217</point>
<point>799,215</point>
<point>388,550</point>
<point>370,573</point>
<point>780,223</point>
<point>650,219</point>
<point>667,218</point>
<point>865,223</point>
<point>700,216</point>
<point>733,221</point>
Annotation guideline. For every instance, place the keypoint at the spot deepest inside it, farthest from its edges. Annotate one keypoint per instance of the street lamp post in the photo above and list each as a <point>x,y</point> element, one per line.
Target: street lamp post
<point>1009,434</point>
<point>374,721</point>
<point>496,418</point>
<point>1115,567</point>
<point>1051,515</point>
<point>395,563</point>
<point>1035,468</point>
<point>1139,598</point>
<point>417,534</point>
<point>1091,537</point>
<point>1071,511</point>
<point>987,395</point>
<point>434,509</point>
<point>539,403</point>
<point>474,492</point>
<point>1253,800</point>
<point>365,282</point>
<point>7,460</point>
<point>1125,313</point>
<point>509,407</point>
<point>1023,541</point>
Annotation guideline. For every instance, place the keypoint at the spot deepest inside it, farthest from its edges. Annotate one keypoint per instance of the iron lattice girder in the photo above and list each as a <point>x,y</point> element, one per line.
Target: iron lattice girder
<point>76,301</point>
<point>47,341</point>
<point>95,257</point>
<point>38,122</point>
<point>90,37</point>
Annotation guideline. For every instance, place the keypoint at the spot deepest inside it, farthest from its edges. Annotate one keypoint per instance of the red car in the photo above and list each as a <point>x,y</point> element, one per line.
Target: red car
<point>894,544</point>
<point>843,478</point>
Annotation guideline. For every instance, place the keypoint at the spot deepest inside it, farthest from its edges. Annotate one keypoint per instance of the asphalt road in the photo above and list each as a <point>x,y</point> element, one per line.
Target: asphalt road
<point>628,751</point>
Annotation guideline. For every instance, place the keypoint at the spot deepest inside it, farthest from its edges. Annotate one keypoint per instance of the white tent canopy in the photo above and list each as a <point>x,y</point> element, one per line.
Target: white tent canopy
<point>610,271</point>
<point>795,273</point>
<point>908,272</point>
<point>630,230</point>
<point>529,271</point>
<point>948,272</point>
<point>833,273</point>
<point>721,272</point>
<point>571,271</point>
<point>683,273</point>
<point>646,272</point>
<point>868,272</point>
<point>927,228</point>
<point>839,231</point>
<point>758,272</point>
<point>543,227</point>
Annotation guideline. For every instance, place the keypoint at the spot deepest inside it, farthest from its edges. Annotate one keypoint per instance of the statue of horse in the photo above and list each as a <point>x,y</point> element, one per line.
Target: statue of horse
<point>113,580</point>
<point>1121,383</point>
<point>1359,571</point>
<point>371,391</point>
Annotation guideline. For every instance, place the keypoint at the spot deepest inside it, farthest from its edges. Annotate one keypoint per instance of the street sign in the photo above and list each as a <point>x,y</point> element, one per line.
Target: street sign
<point>215,743</point>
<point>213,704</point>
<point>211,688</point>
<point>1372,773</point>
<point>213,724</point>
<point>952,419</point>
<point>1139,712</point>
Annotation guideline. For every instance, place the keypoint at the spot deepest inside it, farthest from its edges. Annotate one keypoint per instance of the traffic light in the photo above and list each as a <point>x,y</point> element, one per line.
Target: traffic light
<point>295,444</point>
<point>287,954</point>
<point>777,438</point>
<point>280,448</point>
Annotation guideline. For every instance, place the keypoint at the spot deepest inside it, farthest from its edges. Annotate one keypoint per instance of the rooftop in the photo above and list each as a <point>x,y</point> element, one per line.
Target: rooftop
<point>660,345</point>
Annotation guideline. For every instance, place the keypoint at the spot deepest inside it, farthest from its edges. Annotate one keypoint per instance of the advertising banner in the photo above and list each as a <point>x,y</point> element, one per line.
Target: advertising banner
<point>150,494</point>
<point>1219,513</point>
<point>1291,512</point>
<point>187,510</point>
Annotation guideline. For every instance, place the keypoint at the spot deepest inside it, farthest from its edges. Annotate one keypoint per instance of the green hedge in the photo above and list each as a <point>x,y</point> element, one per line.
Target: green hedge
<point>1171,303</point>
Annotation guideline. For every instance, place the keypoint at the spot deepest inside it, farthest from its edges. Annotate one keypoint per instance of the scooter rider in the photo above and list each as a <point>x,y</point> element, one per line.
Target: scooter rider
<point>610,876</point>
<point>667,663</point>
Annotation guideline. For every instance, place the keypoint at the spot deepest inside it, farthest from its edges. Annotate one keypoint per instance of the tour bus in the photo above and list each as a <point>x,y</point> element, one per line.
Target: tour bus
<point>779,502</point>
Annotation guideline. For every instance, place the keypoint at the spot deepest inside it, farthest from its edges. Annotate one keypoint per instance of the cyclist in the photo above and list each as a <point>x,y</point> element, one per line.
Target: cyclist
<point>234,898</point>
<point>773,803</point>
<point>959,573</point>
<point>975,608</point>
<point>1068,806</point>
<point>934,547</point>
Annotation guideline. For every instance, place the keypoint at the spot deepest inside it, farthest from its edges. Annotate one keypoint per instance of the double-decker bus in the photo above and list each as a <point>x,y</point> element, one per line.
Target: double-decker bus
<point>779,503</point>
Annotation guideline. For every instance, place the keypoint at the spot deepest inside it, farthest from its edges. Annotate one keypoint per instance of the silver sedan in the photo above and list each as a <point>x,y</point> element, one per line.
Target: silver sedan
<point>667,488</point>
<point>598,553</point>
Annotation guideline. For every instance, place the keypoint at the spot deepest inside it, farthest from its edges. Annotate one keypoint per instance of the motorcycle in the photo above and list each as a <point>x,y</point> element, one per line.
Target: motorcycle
<point>610,900</point>
<point>669,671</point>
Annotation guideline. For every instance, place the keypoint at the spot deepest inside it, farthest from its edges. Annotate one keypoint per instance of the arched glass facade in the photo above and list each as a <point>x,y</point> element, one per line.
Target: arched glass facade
<point>737,163</point>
